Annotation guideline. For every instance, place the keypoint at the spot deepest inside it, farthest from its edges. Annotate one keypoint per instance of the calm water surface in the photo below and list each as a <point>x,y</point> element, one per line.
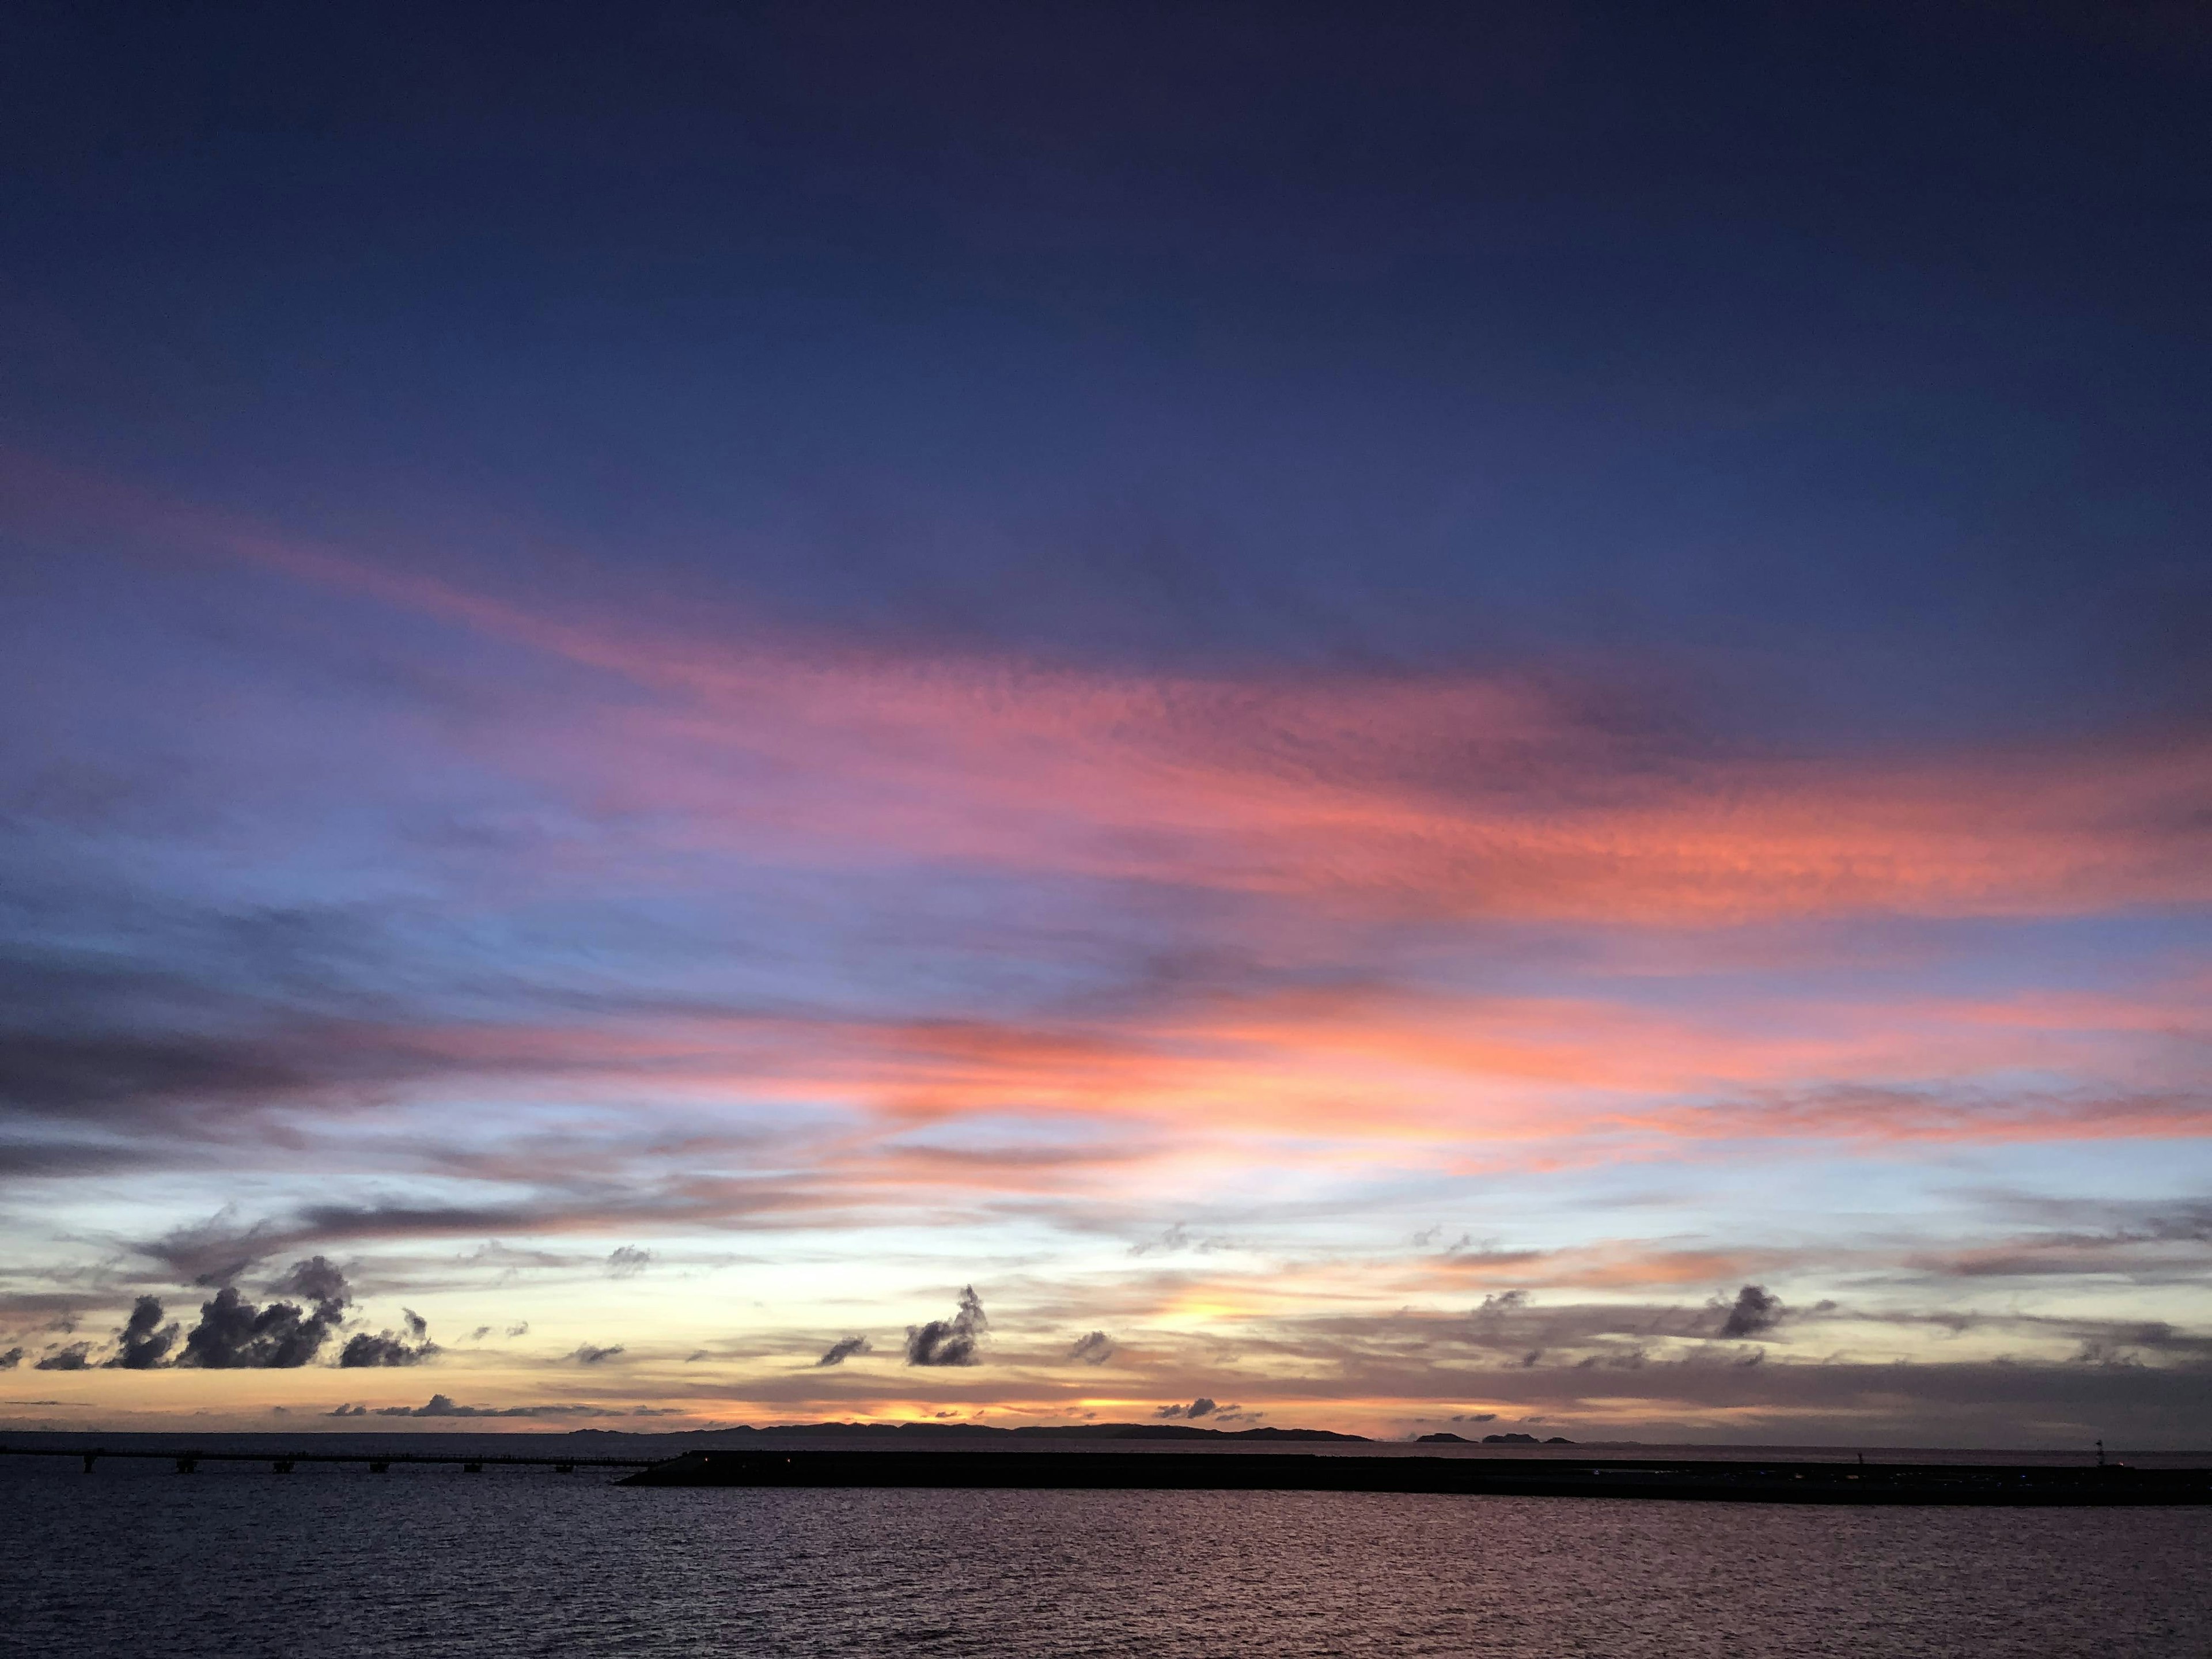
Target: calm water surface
<point>237,1562</point>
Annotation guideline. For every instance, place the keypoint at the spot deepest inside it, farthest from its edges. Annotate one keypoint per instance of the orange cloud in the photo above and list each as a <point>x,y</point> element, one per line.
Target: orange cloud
<point>1369,1078</point>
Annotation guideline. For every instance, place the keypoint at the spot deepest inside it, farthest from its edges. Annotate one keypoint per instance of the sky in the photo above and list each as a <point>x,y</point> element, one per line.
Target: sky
<point>1407,718</point>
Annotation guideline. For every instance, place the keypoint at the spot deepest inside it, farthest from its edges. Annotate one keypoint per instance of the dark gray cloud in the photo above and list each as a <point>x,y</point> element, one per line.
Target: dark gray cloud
<point>2144,1243</point>
<point>49,1159</point>
<point>1422,1355</point>
<point>2126,1339</point>
<point>234,1334</point>
<point>211,1252</point>
<point>144,1342</point>
<point>2032,1382</point>
<point>1092,1348</point>
<point>70,1358</point>
<point>212,1020</point>
<point>125,1077</point>
<point>582,1202</point>
<point>1756,1311</point>
<point>628,1262</point>
<point>440,1405</point>
<point>10,1360</point>
<point>1198,1407</point>
<point>349,1411</point>
<point>317,1279</point>
<point>236,1023</point>
<point>219,1250</point>
<point>949,1341</point>
<point>1631,1359</point>
<point>1511,1325</point>
<point>591,1354</point>
<point>361,1349</point>
<point>843,1350</point>
<point>2097,1220</point>
<point>211,1017</point>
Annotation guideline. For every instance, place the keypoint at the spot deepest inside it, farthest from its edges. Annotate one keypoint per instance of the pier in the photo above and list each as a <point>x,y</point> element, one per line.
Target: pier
<point>377,1462</point>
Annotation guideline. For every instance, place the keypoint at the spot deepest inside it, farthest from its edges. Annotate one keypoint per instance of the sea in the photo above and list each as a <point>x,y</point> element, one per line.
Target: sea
<point>235,1561</point>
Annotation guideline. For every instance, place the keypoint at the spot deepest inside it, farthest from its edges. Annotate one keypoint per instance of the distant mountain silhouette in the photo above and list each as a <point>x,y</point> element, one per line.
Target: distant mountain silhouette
<point>1450,1438</point>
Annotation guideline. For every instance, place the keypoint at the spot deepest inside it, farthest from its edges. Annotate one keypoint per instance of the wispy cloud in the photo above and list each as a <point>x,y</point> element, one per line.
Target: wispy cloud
<point>787,938</point>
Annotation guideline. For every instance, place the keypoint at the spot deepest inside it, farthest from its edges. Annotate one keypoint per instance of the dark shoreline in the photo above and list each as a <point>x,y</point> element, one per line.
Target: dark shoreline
<point>2009,1485</point>
<point>785,1458</point>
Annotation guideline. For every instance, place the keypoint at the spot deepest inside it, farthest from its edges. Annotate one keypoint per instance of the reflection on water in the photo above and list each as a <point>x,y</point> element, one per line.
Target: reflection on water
<point>237,1562</point>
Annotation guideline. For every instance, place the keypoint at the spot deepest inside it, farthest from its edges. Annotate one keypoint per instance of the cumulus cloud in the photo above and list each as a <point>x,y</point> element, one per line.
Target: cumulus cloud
<point>234,1334</point>
<point>628,1262</point>
<point>386,1348</point>
<point>349,1411</point>
<point>10,1360</point>
<point>70,1359</point>
<point>949,1341</point>
<point>1093,1348</point>
<point>589,1353</point>
<point>1198,1407</point>
<point>1756,1311</point>
<point>843,1350</point>
<point>145,1341</point>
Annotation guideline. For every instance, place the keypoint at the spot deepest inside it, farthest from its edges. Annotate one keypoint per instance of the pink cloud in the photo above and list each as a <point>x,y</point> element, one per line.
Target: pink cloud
<point>1446,796</point>
<point>1441,796</point>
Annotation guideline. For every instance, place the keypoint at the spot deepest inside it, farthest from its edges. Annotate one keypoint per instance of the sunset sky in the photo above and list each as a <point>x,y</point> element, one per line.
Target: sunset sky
<point>1395,719</point>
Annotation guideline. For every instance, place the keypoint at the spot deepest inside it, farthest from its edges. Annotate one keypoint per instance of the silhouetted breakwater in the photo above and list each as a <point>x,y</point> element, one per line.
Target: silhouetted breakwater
<point>2011,1485</point>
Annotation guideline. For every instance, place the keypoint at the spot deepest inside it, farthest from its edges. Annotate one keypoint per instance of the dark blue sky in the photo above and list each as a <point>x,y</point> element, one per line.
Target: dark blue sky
<point>1851,361</point>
